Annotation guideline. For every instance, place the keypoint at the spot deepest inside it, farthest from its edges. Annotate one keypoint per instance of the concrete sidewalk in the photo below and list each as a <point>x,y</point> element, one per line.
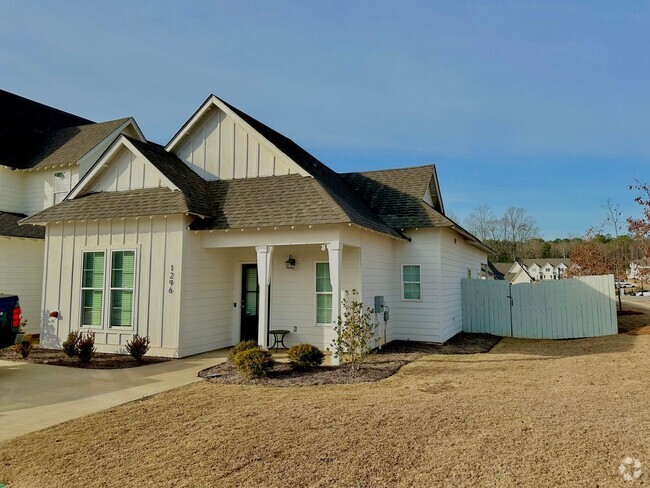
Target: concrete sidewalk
<point>35,396</point>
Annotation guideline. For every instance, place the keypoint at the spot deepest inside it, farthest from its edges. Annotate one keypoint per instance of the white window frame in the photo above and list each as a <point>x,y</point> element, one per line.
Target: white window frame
<point>401,279</point>
<point>106,289</point>
<point>85,288</point>
<point>316,293</point>
<point>109,286</point>
<point>64,193</point>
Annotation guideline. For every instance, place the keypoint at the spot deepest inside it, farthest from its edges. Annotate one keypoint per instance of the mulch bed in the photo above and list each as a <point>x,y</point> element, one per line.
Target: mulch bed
<point>56,357</point>
<point>463,343</point>
<point>623,313</point>
<point>377,367</point>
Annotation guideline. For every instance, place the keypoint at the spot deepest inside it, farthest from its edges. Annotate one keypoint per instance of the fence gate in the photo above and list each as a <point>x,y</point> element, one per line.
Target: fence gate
<point>558,309</point>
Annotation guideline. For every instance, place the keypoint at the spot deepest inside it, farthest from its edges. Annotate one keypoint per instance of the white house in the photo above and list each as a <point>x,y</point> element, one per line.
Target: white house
<point>529,270</point>
<point>43,152</point>
<point>639,269</point>
<point>233,229</point>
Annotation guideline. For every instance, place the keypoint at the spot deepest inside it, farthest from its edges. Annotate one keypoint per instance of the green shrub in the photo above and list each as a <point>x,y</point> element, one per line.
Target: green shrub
<point>305,356</point>
<point>24,347</point>
<point>70,344</point>
<point>355,332</point>
<point>254,363</point>
<point>138,347</point>
<point>242,346</point>
<point>86,346</point>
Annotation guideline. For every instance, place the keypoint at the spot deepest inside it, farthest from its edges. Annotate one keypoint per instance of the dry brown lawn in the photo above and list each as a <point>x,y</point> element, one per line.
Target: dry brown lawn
<point>529,413</point>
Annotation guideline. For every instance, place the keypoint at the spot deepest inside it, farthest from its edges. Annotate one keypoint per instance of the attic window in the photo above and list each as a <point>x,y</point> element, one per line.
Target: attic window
<point>61,185</point>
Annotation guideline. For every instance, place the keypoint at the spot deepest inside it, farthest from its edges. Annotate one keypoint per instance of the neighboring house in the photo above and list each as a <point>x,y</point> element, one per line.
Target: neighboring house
<point>529,270</point>
<point>232,229</point>
<point>43,152</point>
<point>497,271</point>
<point>639,269</point>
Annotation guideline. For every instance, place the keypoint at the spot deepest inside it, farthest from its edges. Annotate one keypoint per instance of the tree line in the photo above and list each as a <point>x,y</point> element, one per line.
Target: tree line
<point>515,235</point>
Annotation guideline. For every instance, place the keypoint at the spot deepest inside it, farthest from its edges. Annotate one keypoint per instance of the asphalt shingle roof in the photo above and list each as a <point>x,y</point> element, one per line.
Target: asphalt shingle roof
<point>386,201</point>
<point>9,226</point>
<point>69,145</point>
<point>396,196</point>
<point>270,201</point>
<point>192,186</point>
<point>25,125</point>
<point>112,204</point>
<point>356,209</point>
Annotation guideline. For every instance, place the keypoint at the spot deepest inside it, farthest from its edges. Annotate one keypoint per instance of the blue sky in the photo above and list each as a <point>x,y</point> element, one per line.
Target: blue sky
<point>543,105</point>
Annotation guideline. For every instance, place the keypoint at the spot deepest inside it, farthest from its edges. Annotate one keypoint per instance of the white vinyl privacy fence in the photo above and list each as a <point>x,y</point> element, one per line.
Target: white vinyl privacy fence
<point>559,309</point>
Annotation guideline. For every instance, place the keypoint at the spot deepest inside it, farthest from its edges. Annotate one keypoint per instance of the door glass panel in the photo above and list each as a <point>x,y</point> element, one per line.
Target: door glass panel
<point>251,279</point>
<point>251,303</point>
<point>250,293</point>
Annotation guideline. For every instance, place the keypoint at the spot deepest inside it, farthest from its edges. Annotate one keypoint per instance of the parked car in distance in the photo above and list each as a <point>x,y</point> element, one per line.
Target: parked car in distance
<point>9,319</point>
<point>623,284</point>
<point>643,293</point>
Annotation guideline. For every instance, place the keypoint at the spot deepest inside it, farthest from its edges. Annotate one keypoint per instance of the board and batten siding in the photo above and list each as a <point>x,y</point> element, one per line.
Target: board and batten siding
<point>12,185</point>
<point>158,244</point>
<point>457,260</point>
<point>21,273</point>
<point>218,147</point>
<point>127,171</point>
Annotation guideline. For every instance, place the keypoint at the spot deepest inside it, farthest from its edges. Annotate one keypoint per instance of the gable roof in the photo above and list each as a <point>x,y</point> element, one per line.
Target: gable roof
<point>499,270</point>
<point>69,145</point>
<point>354,207</point>
<point>368,199</point>
<point>191,185</point>
<point>9,227</point>
<point>25,124</point>
<point>397,196</point>
<point>555,262</point>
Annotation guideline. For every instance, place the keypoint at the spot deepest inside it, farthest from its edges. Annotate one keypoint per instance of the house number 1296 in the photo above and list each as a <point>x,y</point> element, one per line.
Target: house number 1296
<point>171,279</point>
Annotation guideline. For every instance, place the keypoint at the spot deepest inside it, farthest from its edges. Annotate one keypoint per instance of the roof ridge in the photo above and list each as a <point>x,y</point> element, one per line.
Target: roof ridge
<point>386,170</point>
<point>332,182</point>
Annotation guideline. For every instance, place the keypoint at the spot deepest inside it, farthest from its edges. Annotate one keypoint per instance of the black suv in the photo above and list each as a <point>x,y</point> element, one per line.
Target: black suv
<point>9,319</point>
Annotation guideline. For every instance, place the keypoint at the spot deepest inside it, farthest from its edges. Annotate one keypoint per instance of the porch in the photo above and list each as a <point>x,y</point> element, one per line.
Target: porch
<point>236,292</point>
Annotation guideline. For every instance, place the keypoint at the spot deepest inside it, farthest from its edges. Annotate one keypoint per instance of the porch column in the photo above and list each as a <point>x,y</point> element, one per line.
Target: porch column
<point>264,255</point>
<point>335,254</point>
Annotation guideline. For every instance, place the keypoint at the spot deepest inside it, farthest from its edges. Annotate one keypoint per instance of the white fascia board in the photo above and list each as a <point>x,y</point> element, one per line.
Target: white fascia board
<point>120,142</point>
<point>437,187</point>
<point>191,122</point>
<point>213,100</point>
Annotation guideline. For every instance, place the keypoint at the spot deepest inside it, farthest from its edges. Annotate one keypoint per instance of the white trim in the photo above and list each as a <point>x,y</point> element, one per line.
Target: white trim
<point>120,142</point>
<point>435,177</point>
<point>82,289</point>
<point>213,100</point>
<point>316,293</point>
<point>401,280</point>
<point>237,292</point>
<point>110,289</point>
<point>106,288</point>
<point>67,175</point>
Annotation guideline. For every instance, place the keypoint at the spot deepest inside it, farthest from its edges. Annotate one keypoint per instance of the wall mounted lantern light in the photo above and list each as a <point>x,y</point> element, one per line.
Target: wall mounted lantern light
<point>291,262</point>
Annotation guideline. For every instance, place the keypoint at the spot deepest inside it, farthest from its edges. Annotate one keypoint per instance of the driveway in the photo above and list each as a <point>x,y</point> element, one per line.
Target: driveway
<point>35,396</point>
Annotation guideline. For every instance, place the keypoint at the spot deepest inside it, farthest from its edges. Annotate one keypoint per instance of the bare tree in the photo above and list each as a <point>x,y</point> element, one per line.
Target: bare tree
<point>481,223</point>
<point>518,227</point>
<point>614,218</point>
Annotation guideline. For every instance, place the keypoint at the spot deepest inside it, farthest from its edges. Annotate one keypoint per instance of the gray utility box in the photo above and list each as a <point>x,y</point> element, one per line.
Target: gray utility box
<point>379,304</point>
